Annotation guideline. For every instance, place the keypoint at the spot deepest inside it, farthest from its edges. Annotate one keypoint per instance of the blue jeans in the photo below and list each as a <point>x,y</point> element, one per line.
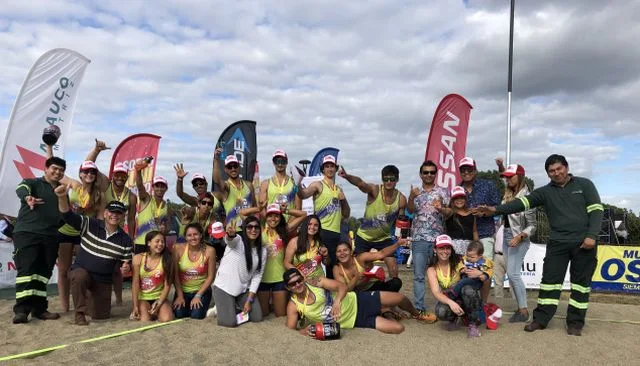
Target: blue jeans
<point>514,258</point>
<point>199,313</point>
<point>422,251</point>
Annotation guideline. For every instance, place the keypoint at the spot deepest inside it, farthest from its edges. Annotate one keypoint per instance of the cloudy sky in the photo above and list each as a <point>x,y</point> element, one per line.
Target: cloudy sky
<point>365,77</point>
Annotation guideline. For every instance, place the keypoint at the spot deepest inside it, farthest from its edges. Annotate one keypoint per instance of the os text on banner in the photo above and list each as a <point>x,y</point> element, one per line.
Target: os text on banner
<point>618,269</point>
<point>447,141</point>
<point>136,147</point>
<point>239,139</point>
<point>47,97</point>
<point>314,167</point>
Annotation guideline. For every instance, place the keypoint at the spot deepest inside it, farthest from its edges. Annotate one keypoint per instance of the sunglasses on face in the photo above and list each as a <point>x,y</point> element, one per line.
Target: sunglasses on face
<point>466,170</point>
<point>280,161</point>
<point>233,166</point>
<point>159,185</point>
<point>428,172</point>
<point>253,227</point>
<point>199,183</point>
<point>89,171</point>
<point>295,283</point>
<point>389,179</point>
<point>207,203</point>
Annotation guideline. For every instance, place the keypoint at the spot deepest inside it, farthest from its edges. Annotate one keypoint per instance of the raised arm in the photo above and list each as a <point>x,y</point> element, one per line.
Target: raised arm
<point>131,214</point>
<point>262,199</point>
<point>295,218</point>
<point>180,174</point>
<point>364,187</point>
<point>103,180</point>
<point>216,175</point>
<point>143,195</point>
<point>368,257</point>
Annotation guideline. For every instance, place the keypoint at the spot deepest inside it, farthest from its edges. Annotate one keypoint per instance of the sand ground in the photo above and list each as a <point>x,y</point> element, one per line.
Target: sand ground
<point>610,337</point>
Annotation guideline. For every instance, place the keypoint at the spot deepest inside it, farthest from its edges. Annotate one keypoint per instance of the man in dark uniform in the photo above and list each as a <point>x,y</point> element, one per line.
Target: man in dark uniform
<point>35,239</point>
<point>575,215</point>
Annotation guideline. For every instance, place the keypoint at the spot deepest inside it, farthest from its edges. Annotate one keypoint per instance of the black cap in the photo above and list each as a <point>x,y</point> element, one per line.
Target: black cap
<point>116,206</point>
<point>291,272</point>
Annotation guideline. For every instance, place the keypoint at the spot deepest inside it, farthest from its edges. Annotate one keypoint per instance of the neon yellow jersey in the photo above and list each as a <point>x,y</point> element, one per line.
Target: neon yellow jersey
<point>319,311</point>
<point>151,280</point>
<point>149,218</point>
<point>327,207</point>
<point>110,195</point>
<point>192,274</point>
<point>204,223</point>
<point>448,280</point>
<point>274,190</point>
<point>236,200</point>
<point>79,201</point>
<point>274,266</point>
<point>378,217</point>
<point>309,263</point>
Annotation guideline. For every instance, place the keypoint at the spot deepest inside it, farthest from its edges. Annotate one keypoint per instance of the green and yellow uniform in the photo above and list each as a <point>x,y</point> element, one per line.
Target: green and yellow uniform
<point>237,199</point>
<point>327,206</point>
<point>318,311</point>
<point>378,218</point>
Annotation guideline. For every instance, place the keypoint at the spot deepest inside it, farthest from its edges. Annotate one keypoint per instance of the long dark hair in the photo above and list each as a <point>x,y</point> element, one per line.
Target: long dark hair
<point>167,262</point>
<point>281,229</point>
<point>257,243</point>
<point>199,228</point>
<point>454,259</point>
<point>303,235</point>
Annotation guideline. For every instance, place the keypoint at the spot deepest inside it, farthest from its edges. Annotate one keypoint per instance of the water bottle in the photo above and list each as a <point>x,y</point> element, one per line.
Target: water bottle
<point>324,331</point>
<point>403,226</point>
<point>143,163</point>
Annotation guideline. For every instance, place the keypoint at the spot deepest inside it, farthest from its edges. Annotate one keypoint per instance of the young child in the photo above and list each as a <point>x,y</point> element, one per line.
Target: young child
<point>477,269</point>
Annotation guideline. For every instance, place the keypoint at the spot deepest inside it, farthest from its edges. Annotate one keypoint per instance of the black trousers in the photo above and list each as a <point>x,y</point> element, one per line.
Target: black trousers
<point>330,240</point>
<point>34,256</point>
<point>556,260</point>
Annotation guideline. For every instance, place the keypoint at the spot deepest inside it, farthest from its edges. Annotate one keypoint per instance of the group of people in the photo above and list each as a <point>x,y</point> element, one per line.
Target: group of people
<point>255,255</point>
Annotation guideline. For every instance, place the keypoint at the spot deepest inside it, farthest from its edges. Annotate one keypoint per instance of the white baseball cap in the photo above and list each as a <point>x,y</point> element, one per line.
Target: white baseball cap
<point>279,152</point>
<point>216,230</point>
<point>329,159</point>
<point>273,208</point>
<point>230,159</point>
<point>196,176</point>
<point>120,168</point>
<point>443,241</point>
<point>88,165</point>
<point>467,161</point>
<point>160,179</point>
<point>458,191</point>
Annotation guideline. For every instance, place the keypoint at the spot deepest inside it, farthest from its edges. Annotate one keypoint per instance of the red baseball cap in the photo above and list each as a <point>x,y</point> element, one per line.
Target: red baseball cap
<point>88,165</point>
<point>513,169</point>
<point>273,208</point>
<point>230,159</point>
<point>443,241</point>
<point>216,230</point>
<point>120,168</point>
<point>458,191</point>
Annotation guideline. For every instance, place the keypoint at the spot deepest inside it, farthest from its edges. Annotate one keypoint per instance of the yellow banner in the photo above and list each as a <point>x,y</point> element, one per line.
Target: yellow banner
<point>618,269</point>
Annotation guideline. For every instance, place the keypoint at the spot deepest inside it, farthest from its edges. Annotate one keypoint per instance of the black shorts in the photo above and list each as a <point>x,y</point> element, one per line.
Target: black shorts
<point>369,308</point>
<point>64,238</point>
<point>276,286</point>
<point>365,246</point>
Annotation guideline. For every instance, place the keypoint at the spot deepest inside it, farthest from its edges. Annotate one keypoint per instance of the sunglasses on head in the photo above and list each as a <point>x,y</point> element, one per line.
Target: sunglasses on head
<point>389,179</point>
<point>233,166</point>
<point>253,227</point>
<point>280,161</point>
<point>208,203</point>
<point>428,172</point>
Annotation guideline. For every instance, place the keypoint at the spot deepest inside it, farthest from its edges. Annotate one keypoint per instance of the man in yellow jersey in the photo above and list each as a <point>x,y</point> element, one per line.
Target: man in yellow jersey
<point>331,206</point>
<point>236,193</point>
<point>384,202</point>
<point>153,211</point>
<point>280,188</point>
<point>199,184</point>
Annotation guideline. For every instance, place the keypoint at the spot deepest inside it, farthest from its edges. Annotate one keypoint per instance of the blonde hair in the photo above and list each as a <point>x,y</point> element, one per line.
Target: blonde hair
<point>510,194</point>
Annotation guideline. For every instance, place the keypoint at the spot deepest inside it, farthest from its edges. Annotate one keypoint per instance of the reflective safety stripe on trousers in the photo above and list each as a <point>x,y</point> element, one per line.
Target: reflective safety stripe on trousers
<point>26,293</point>
<point>36,277</point>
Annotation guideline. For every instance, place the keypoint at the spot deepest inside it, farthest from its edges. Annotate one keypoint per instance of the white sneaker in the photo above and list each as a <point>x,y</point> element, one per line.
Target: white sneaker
<point>212,312</point>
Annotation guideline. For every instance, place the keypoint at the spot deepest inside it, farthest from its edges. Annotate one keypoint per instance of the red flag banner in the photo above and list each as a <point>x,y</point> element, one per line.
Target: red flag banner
<point>447,140</point>
<point>136,147</point>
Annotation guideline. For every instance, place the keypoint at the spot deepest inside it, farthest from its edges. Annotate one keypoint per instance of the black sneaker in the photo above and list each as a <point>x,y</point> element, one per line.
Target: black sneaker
<point>20,318</point>
<point>518,317</point>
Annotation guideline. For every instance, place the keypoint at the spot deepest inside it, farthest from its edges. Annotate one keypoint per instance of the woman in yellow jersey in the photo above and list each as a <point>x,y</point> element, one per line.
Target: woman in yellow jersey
<point>358,272</point>
<point>152,279</point>
<point>310,304</point>
<point>306,251</point>
<point>196,269</point>
<point>275,234</point>
<point>443,274</point>
<point>86,199</point>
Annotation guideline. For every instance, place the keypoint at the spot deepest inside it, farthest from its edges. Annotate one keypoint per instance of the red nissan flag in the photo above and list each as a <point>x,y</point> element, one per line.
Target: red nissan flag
<point>136,147</point>
<point>447,141</point>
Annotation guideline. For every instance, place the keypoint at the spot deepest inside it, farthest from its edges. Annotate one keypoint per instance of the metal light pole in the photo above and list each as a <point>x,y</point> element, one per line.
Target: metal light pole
<point>509,85</point>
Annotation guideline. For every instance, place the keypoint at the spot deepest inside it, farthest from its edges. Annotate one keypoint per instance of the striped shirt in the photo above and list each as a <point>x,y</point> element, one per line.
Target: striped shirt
<point>99,252</point>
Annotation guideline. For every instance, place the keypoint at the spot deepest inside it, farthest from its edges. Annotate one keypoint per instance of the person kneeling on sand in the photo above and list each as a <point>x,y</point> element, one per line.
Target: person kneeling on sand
<point>443,275</point>
<point>103,245</point>
<point>326,300</point>
<point>152,279</point>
